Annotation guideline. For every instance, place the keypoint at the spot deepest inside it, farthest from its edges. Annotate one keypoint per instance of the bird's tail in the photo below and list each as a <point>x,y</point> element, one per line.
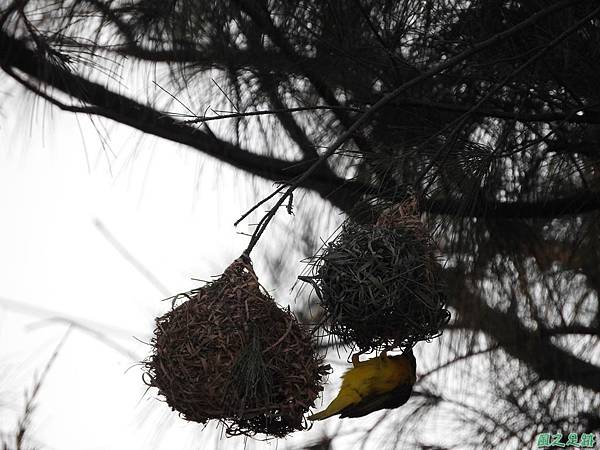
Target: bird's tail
<point>323,414</point>
<point>344,399</point>
<point>334,408</point>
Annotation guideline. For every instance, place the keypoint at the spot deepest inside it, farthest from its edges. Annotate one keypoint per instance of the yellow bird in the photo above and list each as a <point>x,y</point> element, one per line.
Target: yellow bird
<point>383,382</point>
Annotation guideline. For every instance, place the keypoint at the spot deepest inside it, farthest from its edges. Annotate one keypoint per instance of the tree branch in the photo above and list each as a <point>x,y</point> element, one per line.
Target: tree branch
<point>262,19</point>
<point>579,203</point>
<point>99,100</point>
<point>548,360</point>
<point>589,116</point>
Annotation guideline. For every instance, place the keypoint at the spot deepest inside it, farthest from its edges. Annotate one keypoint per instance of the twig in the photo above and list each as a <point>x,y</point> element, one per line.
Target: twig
<point>50,314</point>
<point>130,258</point>
<point>23,422</point>
<point>459,358</point>
<point>225,94</point>
<point>174,97</point>
<point>256,206</point>
<point>100,337</point>
<point>236,115</point>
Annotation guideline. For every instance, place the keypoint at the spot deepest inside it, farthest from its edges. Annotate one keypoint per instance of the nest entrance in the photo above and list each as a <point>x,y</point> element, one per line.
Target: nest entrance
<point>229,353</point>
<point>380,285</point>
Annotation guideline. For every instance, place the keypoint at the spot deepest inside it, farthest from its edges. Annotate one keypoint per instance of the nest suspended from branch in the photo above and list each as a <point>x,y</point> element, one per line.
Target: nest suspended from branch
<point>229,353</point>
<point>380,285</point>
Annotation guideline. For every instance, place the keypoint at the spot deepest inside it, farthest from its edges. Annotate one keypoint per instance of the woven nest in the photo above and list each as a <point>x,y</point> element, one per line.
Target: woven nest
<point>229,353</point>
<point>380,285</point>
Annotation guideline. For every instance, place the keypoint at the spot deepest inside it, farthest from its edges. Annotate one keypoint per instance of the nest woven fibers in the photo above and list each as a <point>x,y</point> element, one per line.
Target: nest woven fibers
<point>229,353</point>
<point>380,285</point>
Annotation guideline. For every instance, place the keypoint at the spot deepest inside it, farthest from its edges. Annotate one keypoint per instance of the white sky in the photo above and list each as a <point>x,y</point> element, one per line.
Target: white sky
<point>173,210</point>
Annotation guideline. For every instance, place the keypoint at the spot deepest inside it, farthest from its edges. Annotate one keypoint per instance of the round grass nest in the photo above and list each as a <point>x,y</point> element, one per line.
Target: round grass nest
<point>380,285</point>
<point>229,353</point>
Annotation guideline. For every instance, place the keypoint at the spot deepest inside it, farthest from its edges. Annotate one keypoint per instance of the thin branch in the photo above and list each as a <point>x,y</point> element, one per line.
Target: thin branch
<point>459,358</point>
<point>257,205</point>
<point>143,270</point>
<point>577,203</point>
<point>569,330</point>
<point>100,337</point>
<point>203,119</point>
<point>49,314</point>
<point>24,420</point>
<point>572,116</point>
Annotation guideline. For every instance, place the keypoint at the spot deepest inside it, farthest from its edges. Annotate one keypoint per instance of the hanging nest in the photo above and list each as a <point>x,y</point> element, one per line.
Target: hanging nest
<point>380,285</point>
<point>229,353</point>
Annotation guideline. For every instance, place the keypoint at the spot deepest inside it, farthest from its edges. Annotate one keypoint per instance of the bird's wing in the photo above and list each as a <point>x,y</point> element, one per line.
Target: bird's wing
<point>357,383</point>
<point>389,400</point>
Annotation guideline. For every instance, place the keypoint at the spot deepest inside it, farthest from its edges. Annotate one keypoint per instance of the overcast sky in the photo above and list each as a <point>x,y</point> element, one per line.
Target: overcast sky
<point>73,194</point>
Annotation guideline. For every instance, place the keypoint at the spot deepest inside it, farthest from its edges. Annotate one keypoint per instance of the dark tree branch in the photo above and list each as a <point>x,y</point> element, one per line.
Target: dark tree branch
<point>579,203</point>
<point>570,329</point>
<point>342,193</point>
<point>99,100</point>
<point>533,348</point>
<point>262,19</point>
<point>587,116</point>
